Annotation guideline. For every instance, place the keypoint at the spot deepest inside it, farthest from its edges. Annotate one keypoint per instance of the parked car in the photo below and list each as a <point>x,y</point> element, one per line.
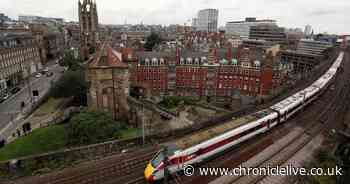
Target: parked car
<point>5,97</point>
<point>38,75</point>
<point>49,74</point>
<point>46,69</point>
<point>15,90</point>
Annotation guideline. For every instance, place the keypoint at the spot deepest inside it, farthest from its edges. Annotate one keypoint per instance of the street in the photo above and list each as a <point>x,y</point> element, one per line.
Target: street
<point>11,108</point>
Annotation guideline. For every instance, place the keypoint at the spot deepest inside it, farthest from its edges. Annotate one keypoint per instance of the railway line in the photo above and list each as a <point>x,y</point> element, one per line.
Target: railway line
<point>129,168</point>
<point>96,172</point>
<point>311,127</point>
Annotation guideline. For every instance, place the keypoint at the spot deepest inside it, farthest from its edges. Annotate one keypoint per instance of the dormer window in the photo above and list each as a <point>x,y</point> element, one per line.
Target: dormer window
<point>189,61</point>
<point>161,61</point>
<point>154,61</point>
<point>182,60</point>
<point>147,62</point>
<point>196,61</point>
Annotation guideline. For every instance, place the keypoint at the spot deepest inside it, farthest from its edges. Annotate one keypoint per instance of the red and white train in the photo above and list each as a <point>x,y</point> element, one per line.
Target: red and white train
<point>202,145</point>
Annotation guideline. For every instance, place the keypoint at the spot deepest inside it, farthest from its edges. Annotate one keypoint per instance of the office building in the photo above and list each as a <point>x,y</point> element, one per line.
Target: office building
<point>307,30</point>
<point>268,32</point>
<point>242,28</point>
<point>207,20</point>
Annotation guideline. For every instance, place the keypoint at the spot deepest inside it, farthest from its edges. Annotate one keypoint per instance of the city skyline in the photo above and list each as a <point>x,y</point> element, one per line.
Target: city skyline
<point>324,16</point>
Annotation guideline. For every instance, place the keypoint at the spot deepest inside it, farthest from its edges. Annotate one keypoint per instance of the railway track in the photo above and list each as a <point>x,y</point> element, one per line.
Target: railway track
<point>324,121</point>
<point>307,120</point>
<point>97,172</point>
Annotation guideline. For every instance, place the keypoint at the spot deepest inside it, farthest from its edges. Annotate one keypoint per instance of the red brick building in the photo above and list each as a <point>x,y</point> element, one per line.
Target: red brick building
<point>220,72</point>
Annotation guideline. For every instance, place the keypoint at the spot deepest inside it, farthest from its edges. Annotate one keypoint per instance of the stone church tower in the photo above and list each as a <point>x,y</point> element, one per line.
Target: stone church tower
<point>88,21</point>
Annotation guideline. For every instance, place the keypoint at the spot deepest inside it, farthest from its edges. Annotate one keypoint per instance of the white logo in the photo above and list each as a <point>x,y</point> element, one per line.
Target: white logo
<point>188,170</point>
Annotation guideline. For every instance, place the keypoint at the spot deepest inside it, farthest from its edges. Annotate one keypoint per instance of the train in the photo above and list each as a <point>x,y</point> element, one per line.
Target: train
<point>195,148</point>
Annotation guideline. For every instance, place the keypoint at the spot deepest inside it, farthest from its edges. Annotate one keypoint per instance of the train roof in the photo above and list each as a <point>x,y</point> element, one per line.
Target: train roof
<point>207,134</point>
<point>288,102</point>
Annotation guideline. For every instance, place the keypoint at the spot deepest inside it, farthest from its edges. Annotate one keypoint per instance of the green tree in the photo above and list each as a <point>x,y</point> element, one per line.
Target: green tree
<point>71,84</point>
<point>70,61</point>
<point>90,127</point>
<point>152,40</point>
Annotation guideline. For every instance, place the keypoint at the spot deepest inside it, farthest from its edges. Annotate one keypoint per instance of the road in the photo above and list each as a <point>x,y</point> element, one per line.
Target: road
<point>11,108</point>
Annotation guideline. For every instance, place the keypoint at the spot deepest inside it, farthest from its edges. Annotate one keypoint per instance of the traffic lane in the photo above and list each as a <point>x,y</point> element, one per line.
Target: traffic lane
<point>24,94</point>
<point>13,105</point>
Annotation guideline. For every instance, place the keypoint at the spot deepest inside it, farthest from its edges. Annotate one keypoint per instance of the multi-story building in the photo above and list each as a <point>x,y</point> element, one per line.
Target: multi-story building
<point>308,46</point>
<point>54,45</point>
<point>88,21</point>
<point>219,72</point>
<point>207,20</point>
<point>308,30</point>
<point>195,24</point>
<point>268,32</point>
<point>3,18</point>
<point>308,54</point>
<point>32,19</point>
<point>242,28</point>
<point>19,57</point>
<point>72,36</point>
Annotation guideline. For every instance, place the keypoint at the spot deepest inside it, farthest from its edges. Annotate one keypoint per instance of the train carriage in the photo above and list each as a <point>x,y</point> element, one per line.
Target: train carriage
<point>204,144</point>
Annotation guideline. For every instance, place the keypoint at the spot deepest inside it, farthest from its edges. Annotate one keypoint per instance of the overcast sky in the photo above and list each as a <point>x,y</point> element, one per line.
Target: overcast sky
<point>332,16</point>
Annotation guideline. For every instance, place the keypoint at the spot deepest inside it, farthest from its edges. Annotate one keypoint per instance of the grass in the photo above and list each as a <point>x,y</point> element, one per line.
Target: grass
<point>48,107</point>
<point>39,141</point>
<point>129,133</point>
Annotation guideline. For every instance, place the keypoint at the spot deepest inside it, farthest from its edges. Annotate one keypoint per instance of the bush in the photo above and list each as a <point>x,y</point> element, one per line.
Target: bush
<point>174,101</point>
<point>90,127</point>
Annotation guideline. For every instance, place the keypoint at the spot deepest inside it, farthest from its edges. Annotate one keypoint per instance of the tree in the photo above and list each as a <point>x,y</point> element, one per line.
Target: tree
<point>152,40</point>
<point>70,61</point>
<point>90,127</point>
<point>71,84</point>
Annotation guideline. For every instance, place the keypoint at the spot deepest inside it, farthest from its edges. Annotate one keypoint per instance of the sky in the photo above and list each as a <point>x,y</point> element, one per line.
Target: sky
<point>332,16</point>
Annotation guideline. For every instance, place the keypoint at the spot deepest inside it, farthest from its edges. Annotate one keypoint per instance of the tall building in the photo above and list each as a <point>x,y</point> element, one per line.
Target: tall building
<point>207,20</point>
<point>242,28</point>
<point>194,23</point>
<point>88,21</point>
<point>307,30</point>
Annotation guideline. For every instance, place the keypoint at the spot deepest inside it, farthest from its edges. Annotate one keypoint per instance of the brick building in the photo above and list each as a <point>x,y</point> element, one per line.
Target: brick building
<point>219,72</point>
<point>19,57</point>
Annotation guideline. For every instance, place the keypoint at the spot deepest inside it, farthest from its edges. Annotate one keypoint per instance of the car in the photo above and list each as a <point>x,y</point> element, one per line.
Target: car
<point>6,96</point>
<point>38,75</point>
<point>15,90</point>
<point>49,74</point>
<point>46,69</point>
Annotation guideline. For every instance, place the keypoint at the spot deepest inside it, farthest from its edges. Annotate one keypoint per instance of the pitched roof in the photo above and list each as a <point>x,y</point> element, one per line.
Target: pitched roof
<point>107,57</point>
